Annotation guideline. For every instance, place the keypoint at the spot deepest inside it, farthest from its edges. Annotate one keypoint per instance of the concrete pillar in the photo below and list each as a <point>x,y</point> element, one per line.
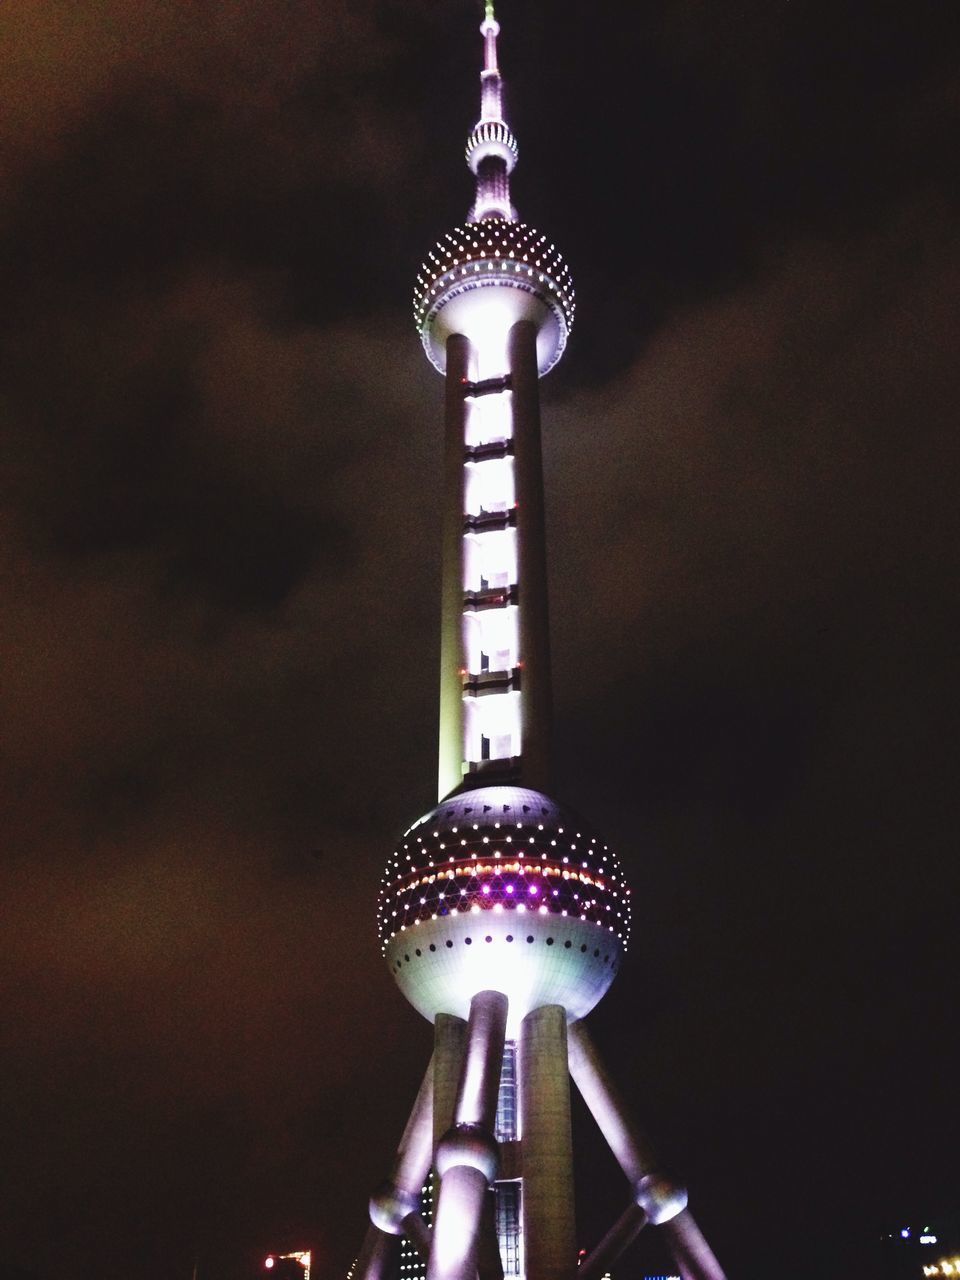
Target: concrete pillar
<point>449,1038</point>
<point>489,1263</point>
<point>547,1198</point>
<point>536,704</point>
<point>450,770</point>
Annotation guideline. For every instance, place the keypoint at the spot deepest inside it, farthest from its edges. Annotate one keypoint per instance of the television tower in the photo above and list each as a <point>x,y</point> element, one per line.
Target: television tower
<point>503,916</point>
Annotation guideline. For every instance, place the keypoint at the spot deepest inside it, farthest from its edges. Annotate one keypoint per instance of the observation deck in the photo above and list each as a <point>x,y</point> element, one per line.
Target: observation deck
<point>481,278</point>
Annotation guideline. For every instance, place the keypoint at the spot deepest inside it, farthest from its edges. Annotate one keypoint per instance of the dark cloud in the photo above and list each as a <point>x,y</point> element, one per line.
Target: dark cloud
<point>221,453</point>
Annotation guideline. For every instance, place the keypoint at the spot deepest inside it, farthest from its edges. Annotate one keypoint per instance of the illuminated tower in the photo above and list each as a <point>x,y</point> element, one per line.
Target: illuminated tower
<point>503,915</point>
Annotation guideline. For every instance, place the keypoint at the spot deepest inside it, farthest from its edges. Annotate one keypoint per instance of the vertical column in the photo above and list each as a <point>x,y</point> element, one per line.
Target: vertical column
<point>549,1233</point>
<point>489,1263</point>
<point>449,1038</point>
<point>450,773</point>
<point>536,709</point>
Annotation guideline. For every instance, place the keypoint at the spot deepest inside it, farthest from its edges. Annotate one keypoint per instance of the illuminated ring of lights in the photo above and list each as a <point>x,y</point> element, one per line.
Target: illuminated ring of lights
<point>492,138</point>
<point>494,253</point>
<point>507,850</point>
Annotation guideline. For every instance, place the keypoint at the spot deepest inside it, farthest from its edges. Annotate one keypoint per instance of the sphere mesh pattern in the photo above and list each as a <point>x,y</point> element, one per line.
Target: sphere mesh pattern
<point>510,252</point>
<point>502,849</point>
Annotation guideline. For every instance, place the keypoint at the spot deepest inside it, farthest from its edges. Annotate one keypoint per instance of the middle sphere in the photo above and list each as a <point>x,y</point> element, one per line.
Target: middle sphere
<point>503,889</point>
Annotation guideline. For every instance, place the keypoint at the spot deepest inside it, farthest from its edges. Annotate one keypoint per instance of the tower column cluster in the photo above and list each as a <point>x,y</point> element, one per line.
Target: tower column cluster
<point>503,915</point>
<point>495,690</point>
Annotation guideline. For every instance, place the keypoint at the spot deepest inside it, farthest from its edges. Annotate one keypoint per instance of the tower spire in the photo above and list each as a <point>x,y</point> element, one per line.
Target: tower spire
<point>491,105</point>
<point>491,147</point>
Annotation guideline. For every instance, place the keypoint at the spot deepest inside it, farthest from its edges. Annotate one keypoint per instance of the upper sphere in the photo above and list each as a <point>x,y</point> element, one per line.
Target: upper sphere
<point>482,278</point>
<point>492,138</point>
<point>503,888</point>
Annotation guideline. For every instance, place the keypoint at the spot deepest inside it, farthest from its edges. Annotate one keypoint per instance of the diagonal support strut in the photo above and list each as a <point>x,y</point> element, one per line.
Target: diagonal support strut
<point>662,1201</point>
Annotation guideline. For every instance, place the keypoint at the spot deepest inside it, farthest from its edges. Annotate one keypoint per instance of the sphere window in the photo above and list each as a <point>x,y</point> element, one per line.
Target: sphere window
<point>529,937</point>
<point>468,941</point>
<point>549,942</point>
<point>488,938</point>
<point>450,944</point>
<point>433,946</point>
<point>509,937</point>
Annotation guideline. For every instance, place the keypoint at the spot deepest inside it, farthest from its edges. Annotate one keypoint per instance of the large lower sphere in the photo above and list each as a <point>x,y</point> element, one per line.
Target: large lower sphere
<point>502,888</point>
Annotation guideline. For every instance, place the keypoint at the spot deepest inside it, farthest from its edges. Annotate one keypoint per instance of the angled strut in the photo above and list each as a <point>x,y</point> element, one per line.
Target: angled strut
<point>395,1204</point>
<point>664,1204</point>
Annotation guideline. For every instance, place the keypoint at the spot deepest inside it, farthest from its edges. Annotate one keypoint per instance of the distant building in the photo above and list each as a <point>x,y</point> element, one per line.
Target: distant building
<point>288,1266</point>
<point>927,1247</point>
<point>412,1266</point>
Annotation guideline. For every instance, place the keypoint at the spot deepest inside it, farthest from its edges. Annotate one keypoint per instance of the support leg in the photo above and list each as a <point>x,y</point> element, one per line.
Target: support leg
<point>489,1264</point>
<point>693,1256</point>
<point>379,1257</point>
<point>449,1043</point>
<point>664,1203</point>
<point>547,1204</point>
<point>467,1155</point>
<point>395,1206</point>
<point>617,1240</point>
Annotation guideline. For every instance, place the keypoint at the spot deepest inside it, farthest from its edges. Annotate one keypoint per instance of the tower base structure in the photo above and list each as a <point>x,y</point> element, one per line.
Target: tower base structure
<point>462,1107</point>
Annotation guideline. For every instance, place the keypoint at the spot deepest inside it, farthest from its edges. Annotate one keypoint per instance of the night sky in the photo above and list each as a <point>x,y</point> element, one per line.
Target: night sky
<point>219,634</point>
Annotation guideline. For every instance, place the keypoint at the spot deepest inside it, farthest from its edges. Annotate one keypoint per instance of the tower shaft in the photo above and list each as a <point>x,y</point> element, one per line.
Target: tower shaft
<point>452,750</point>
<point>495,699</point>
